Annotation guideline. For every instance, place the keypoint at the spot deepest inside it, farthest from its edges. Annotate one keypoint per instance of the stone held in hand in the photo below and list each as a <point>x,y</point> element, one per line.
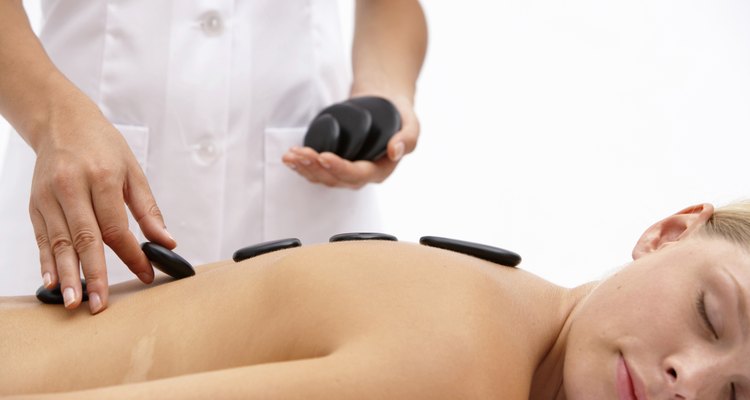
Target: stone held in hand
<point>167,261</point>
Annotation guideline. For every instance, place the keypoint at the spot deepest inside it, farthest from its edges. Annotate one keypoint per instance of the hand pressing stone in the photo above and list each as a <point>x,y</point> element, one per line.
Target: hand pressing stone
<point>162,258</point>
<point>54,295</point>
<point>167,261</point>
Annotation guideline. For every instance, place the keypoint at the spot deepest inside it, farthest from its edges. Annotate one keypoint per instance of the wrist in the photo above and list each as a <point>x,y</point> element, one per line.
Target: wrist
<point>57,101</point>
<point>403,93</point>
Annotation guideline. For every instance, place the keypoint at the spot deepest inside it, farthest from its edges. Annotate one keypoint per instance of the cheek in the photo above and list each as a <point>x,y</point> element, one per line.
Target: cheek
<point>636,302</point>
<point>587,374</point>
<point>634,314</point>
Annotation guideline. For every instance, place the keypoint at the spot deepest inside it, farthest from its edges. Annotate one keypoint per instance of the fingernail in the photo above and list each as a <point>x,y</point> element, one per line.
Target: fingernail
<point>399,151</point>
<point>324,164</point>
<point>69,296</point>
<point>169,234</point>
<point>305,161</point>
<point>47,278</point>
<point>95,303</point>
<point>145,277</point>
<point>290,165</point>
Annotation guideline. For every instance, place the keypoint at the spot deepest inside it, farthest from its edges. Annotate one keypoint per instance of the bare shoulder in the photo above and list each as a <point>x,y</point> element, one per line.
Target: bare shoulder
<point>447,321</point>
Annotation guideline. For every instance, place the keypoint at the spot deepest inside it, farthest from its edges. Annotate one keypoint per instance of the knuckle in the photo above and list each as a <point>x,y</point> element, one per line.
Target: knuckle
<point>151,211</point>
<point>60,244</point>
<point>113,233</point>
<point>154,211</point>
<point>83,240</point>
<point>42,241</point>
<point>102,174</point>
<point>62,178</point>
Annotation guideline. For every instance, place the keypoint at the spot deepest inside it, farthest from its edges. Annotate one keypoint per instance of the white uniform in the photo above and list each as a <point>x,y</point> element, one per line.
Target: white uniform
<point>209,94</point>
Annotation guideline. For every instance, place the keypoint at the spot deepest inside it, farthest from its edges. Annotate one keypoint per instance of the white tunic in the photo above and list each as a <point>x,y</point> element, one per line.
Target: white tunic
<point>209,94</point>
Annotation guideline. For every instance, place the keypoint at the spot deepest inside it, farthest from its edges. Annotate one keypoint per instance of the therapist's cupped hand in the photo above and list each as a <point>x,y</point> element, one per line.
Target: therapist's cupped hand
<point>331,170</point>
<point>85,175</point>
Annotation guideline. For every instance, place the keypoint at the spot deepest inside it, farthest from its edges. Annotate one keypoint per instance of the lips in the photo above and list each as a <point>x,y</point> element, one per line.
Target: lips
<point>628,386</point>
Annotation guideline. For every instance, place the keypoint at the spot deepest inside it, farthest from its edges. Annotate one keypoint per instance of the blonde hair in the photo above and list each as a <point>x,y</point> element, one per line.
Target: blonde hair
<point>731,222</point>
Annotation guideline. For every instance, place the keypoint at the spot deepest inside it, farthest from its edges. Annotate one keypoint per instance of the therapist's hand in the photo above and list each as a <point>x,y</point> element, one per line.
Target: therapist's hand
<point>84,176</point>
<point>333,171</point>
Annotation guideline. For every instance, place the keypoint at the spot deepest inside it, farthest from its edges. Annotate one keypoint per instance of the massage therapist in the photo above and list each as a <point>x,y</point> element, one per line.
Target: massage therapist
<point>185,114</point>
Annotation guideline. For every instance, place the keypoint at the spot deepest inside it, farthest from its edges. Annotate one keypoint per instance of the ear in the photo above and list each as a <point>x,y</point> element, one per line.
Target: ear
<point>672,229</point>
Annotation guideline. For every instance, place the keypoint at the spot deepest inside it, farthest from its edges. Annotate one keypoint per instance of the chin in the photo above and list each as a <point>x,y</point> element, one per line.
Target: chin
<point>589,380</point>
<point>588,393</point>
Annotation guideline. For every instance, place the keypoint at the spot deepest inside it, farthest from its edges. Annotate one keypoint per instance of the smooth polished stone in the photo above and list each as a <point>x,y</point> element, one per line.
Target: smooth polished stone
<point>54,296</point>
<point>167,261</point>
<point>323,134</point>
<point>265,247</point>
<point>483,251</point>
<point>386,121</point>
<point>344,237</point>
<point>354,123</point>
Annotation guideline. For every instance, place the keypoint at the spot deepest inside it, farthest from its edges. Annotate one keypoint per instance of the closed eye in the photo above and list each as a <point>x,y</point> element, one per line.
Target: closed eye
<point>701,306</point>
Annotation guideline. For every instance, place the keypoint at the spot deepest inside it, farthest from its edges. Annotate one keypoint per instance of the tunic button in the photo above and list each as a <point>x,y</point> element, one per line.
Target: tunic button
<point>212,24</point>
<point>206,152</point>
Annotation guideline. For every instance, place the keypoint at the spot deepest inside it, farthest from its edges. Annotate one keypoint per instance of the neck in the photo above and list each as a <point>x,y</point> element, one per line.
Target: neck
<point>548,382</point>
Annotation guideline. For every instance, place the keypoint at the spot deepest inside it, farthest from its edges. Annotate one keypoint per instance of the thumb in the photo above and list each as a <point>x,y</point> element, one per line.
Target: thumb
<point>403,142</point>
<point>146,212</point>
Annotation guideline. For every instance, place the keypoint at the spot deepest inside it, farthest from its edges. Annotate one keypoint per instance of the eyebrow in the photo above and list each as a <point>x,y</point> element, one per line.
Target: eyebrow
<point>741,304</point>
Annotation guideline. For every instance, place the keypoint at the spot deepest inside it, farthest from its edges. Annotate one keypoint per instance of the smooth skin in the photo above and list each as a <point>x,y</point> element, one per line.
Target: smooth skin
<point>360,320</point>
<point>85,173</point>
<point>374,319</point>
<point>648,316</point>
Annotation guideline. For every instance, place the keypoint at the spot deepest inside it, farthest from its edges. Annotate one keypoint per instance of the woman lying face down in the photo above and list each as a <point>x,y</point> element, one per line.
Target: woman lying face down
<point>358,320</point>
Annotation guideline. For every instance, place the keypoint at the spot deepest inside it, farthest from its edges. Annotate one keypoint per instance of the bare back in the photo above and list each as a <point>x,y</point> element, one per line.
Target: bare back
<point>430,322</point>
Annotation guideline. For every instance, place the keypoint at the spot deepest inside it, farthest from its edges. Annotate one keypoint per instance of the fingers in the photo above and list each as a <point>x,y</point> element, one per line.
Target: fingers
<point>405,140</point>
<point>145,210</point>
<point>46,259</point>
<point>55,243</point>
<point>109,207</point>
<point>334,171</point>
<point>82,239</point>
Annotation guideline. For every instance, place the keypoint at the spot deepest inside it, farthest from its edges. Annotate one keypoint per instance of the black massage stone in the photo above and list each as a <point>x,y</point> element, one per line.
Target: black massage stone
<point>54,296</point>
<point>265,247</point>
<point>386,121</point>
<point>345,237</point>
<point>167,261</point>
<point>354,123</point>
<point>483,251</point>
<point>323,134</point>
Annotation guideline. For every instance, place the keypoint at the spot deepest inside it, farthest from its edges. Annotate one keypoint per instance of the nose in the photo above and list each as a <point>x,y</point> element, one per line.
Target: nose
<point>674,380</point>
<point>686,380</point>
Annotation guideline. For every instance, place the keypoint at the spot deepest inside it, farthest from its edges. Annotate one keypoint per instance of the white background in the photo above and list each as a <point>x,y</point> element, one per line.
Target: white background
<point>562,129</point>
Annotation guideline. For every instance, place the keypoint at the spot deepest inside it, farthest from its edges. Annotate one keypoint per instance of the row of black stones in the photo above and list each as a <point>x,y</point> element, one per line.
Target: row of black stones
<point>483,251</point>
<point>172,264</point>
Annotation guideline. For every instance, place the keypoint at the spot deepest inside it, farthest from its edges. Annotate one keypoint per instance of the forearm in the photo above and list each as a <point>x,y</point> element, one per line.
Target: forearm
<point>390,41</point>
<point>32,90</point>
